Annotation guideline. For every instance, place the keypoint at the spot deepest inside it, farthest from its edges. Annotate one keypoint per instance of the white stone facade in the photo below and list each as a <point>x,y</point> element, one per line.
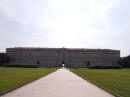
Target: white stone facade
<point>71,57</point>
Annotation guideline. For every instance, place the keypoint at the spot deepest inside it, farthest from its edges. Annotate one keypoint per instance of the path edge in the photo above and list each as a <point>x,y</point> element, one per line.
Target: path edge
<point>19,86</point>
<point>99,86</point>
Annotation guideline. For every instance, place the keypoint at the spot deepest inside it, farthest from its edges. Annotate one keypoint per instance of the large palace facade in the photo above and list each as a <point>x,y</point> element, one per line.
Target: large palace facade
<point>70,57</point>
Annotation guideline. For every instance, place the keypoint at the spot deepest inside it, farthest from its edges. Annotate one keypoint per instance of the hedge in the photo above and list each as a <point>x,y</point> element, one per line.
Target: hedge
<point>20,65</point>
<point>105,67</point>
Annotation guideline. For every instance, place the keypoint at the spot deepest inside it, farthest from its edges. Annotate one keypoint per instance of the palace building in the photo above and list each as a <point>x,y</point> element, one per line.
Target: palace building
<point>70,57</point>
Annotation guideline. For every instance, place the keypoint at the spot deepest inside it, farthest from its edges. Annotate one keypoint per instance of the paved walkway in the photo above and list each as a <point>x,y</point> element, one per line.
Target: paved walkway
<point>61,83</point>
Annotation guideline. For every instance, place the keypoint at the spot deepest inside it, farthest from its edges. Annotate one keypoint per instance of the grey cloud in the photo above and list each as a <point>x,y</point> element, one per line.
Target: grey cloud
<point>18,23</point>
<point>120,14</point>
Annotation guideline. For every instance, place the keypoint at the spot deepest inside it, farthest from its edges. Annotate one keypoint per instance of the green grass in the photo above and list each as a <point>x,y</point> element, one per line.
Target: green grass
<point>13,77</point>
<point>116,80</point>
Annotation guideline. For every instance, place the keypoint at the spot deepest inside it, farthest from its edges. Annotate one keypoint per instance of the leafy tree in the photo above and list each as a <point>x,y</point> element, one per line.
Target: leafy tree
<point>4,58</point>
<point>125,61</point>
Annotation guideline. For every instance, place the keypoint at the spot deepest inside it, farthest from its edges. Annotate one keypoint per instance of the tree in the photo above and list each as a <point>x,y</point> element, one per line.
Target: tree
<point>125,61</point>
<point>4,58</point>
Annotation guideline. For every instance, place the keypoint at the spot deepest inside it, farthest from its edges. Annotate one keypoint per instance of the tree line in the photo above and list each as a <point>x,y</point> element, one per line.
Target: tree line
<point>125,61</point>
<point>4,58</point>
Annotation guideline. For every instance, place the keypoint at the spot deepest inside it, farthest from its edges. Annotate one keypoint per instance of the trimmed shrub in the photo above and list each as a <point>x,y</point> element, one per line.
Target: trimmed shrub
<point>105,67</point>
<point>20,65</point>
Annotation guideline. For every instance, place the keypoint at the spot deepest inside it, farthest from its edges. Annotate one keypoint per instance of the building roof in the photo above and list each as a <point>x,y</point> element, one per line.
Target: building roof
<point>43,48</point>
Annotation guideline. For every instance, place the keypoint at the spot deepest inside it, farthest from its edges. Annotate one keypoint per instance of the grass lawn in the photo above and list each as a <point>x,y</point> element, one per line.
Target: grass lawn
<point>12,77</point>
<point>116,80</point>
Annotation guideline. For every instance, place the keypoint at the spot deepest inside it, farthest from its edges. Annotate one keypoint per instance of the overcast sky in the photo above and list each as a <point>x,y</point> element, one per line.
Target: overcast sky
<point>65,23</point>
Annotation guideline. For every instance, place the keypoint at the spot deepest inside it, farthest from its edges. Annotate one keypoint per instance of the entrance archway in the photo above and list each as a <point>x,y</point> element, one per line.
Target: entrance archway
<point>88,63</point>
<point>63,64</point>
<point>38,62</point>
